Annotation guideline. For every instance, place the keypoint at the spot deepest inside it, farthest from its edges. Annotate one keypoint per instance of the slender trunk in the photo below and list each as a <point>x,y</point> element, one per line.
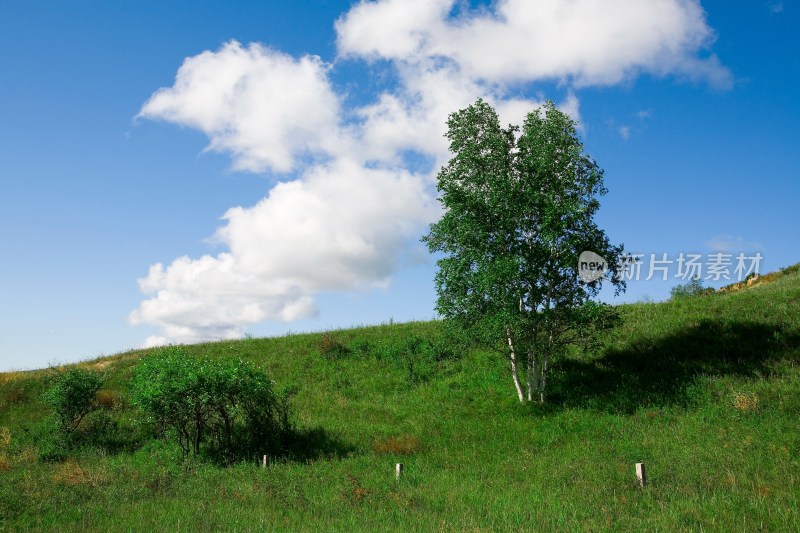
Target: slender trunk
<point>533,377</point>
<point>545,359</point>
<point>544,378</point>
<point>228,434</point>
<point>529,363</point>
<point>528,380</point>
<point>546,352</point>
<point>514,374</point>
<point>198,436</point>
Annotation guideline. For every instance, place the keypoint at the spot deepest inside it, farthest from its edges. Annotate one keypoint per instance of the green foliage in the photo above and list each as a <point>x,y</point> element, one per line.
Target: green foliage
<point>418,355</point>
<point>225,409</point>
<point>72,396</point>
<point>52,443</point>
<point>692,288</point>
<point>519,211</point>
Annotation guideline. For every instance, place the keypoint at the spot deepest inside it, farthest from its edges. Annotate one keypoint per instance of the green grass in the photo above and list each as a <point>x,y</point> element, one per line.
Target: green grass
<point>704,390</point>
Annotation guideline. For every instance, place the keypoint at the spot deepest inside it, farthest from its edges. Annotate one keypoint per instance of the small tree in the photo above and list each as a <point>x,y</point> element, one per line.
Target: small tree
<point>73,396</point>
<point>518,212</point>
<point>225,407</point>
<point>692,288</point>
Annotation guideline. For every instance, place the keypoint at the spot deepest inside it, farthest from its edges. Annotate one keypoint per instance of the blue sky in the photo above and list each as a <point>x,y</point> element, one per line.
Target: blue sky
<point>319,144</point>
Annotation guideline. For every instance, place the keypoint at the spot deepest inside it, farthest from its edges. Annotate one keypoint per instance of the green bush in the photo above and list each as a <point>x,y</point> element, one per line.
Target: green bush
<point>685,290</point>
<point>72,396</point>
<point>224,409</point>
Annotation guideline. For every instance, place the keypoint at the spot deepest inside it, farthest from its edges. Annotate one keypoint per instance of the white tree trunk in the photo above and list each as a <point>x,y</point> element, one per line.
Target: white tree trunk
<point>514,373</point>
<point>544,378</point>
<point>545,360</point>
<point>532,377</point>
<point>548,351</point>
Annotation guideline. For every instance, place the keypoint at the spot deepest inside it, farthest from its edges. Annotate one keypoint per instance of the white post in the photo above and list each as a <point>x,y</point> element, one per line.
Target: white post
<point>264,461</point>
<point>398,471</point>
<point>640,475</point>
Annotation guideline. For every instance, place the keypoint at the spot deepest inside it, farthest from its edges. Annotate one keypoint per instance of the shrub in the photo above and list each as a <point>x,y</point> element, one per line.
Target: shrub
<point>685,290</point>
<point>226,409</point>
<point>72,396</point>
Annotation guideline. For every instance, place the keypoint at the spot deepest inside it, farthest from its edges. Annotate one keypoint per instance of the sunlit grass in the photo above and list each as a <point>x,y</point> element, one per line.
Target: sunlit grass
<point>704,390</point>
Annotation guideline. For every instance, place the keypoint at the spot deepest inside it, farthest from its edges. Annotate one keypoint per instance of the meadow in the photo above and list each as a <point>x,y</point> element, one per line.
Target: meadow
<point>705,390</point>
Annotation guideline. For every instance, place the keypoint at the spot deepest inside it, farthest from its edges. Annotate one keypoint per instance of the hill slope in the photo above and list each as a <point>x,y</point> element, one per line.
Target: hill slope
<point>704,390</point>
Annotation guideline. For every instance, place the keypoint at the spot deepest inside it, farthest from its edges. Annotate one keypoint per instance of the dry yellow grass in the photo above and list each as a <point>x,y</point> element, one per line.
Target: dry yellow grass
<point>400,445</point>
<point>747,402</point>
<point>107,399</point>
<point>28,456</point>
<point>71,474</point>
<point>9,377</point>
<point>5,440</point>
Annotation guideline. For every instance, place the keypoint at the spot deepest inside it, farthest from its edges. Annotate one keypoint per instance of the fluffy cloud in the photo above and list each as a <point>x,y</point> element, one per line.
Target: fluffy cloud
<point>340,226</point>
<point>350,209</point>
<point>584,42</point>
<point>391,29</point>
<point>194,300</point>
<point>263,106</point>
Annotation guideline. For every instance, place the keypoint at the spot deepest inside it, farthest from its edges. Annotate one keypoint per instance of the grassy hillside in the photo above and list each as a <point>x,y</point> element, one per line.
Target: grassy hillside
<point>704,390</point>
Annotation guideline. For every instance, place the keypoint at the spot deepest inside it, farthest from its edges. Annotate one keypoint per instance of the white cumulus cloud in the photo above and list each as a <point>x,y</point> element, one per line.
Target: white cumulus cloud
<point>585,42</point>
<point>261,105</point>
<point>341,226</point>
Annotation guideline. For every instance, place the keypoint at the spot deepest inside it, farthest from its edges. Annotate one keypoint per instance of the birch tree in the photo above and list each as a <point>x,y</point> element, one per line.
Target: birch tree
<point>519,208</point>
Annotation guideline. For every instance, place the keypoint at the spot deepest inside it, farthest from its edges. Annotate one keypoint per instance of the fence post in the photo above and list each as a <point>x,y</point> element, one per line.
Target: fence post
<point>640,474</point>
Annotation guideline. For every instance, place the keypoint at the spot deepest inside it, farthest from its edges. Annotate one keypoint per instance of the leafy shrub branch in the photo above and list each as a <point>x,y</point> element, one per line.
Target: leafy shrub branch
<point>226,409</point>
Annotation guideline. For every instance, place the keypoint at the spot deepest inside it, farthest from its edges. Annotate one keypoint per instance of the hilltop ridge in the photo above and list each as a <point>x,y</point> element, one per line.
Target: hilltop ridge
<point>705,390</point>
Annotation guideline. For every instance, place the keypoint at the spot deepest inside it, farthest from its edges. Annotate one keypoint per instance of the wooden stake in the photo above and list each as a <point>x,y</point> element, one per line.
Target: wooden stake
<point>640,475</point>
<point>398,471</point>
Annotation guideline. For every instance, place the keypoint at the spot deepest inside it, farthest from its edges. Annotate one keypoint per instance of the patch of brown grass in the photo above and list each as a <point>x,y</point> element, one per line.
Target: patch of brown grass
<point>357,493</point>
<point>399,445</point>
<point>101,365</point>
<point>754,280</point>
<point>28,456</point>
<point>8,377</point>
<point>71,474</point>
<point>331,347</point>
<point>745,402</point>
<point>15,395</point>
<point>5,440</point>
<point>107,399</point>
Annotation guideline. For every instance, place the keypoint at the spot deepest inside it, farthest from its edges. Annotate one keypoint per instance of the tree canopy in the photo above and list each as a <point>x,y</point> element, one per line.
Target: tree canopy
<point>519,208</point>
